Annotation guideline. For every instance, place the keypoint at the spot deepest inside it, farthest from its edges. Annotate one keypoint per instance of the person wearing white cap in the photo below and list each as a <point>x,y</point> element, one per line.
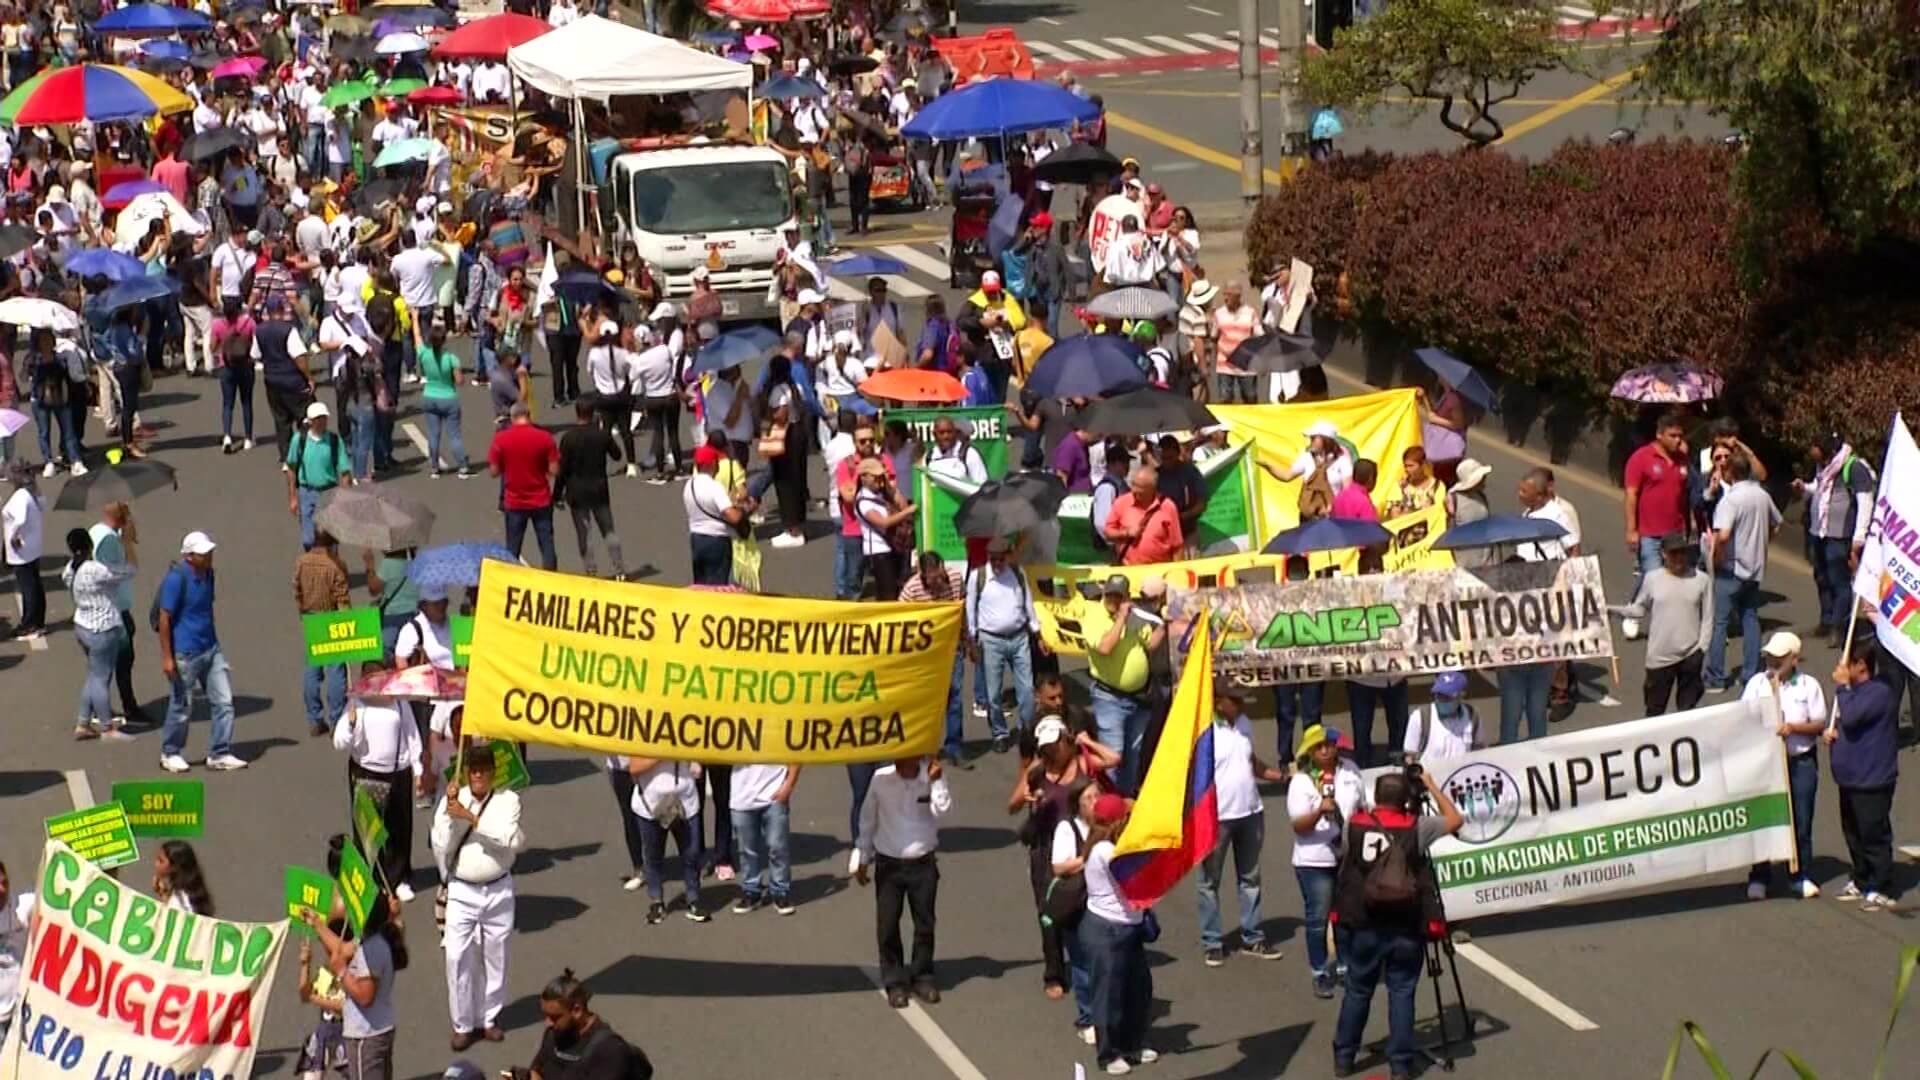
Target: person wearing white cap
<point>1326,453</point>
<point>190,657</point>
<point>1466,503</point>
<point>316,463</point>
<point>1799,717</point>
<point>610,370</point>
<point>656,382</point>
<point>797,269</point>
<point>842,371</point>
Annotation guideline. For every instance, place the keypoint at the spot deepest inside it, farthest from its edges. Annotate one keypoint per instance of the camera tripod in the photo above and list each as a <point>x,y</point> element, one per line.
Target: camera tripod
<point>1440,956</point>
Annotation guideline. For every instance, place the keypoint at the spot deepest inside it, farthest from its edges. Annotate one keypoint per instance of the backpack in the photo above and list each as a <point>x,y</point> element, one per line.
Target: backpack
<point>300,442</point>
<point>153,610</point>
<point>383,318</point>
<point>1066,897</point>
<point>1431,716</point>
<point>1316,495</point>
<point>980,583</point>
<point>236,351</point>
<point>1015,270</point>
<point>1390,885</point>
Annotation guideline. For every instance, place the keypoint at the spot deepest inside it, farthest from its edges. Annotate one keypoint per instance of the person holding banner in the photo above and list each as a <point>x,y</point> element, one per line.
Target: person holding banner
<point>1802,719</point>
<point>320,585</point>
<point>365,968</point>
<point>666,801</point>
<point>1864,757</point>
<point>477,865</point>
<point>1000,623</point>
<point>177,880</point>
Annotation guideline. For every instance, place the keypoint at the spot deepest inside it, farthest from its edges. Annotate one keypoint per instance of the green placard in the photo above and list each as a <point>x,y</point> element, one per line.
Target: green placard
<point>358,889</point>
<point>342,637</point>
<point>509,771</point>
<point>368,824</point>
<point>988,433</point>
<point>307,889</point>
<point>462,628</point>
<point>163,807</point>
<point>100,834</point>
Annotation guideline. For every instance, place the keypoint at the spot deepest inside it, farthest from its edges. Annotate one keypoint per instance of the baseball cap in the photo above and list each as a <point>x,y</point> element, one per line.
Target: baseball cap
<point>608,326</point>
<point>1782,643</point>
<point>1109,808</point>
<point>1323,428</point>
<point>1154,587</point>
<point>990,281</point>
<point>664,310</point>
<point>1118,583</point>
<point>254,237</point>
<point>701,273</point>
<point>197,543</point>
<point>1042,220</point>
<point>1049,730</point>
<point>318,411</point>
<point>1449,684</point>
<point>810,296</point>
<point>705,456</point>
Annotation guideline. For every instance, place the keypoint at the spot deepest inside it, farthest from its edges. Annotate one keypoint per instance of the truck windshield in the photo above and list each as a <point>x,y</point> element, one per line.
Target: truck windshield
<point>714,197</point>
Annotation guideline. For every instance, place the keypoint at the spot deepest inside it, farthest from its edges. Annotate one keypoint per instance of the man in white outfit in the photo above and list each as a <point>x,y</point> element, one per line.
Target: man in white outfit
<point>476,833</point>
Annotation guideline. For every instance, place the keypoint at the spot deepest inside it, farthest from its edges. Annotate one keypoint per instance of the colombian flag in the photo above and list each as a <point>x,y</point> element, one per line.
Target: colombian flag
<point>1176,820</point>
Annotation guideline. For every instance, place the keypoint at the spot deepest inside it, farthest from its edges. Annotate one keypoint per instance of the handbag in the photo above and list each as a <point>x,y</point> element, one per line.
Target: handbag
<point>1066,898</point>
<point>774,443</point>
<point>668,810</point>
<point>453,859</point>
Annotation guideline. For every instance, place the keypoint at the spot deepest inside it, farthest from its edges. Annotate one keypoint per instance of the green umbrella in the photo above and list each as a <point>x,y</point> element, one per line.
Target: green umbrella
<point>347,93</point>
<point>399,87</point>
<point>403,150</point>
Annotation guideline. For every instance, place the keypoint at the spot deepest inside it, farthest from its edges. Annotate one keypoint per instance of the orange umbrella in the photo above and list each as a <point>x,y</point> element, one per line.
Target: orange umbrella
<point>914,384</point>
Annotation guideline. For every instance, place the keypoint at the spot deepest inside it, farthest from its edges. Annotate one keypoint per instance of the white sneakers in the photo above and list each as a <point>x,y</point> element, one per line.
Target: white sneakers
<point>1756,891</point>
<point>633,471</point>
<point>405,892</point>
<point>225,763</point>
<point>1809,891</point>
<point>78,469</point>
<point>1851,892</point>
<point>788,540</point>
<point>50,470</point>
<point>634,883</point>
<point>1118,1067</point>
<point>246,444</point>
<point>1087,1035</point>
<point>174,763</point>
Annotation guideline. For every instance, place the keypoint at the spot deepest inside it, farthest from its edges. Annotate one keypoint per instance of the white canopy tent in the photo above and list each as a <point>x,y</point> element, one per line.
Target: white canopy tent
<point>598,58</point>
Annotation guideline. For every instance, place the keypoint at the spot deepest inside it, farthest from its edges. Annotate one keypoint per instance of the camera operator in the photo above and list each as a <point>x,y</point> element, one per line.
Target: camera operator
<point>1380,902</point>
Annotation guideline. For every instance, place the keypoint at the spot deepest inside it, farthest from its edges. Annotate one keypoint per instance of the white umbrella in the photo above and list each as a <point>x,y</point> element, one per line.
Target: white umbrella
<point>38,313</point>
<point>396,44</point>
<point>131,226</point>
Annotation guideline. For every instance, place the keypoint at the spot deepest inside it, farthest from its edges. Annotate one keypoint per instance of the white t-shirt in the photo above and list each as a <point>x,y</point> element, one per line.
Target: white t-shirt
<point>1236,790</point>
<point>16,916</point>
<point>437,642</point>
<point>1103,896</point>
<point>610,367</point>
<point>873,540</point>
<point>1339,470</point>
<point>22,518</point>
<point>1453,736</point>
<point>1801,702</point>
<point>490,79</point>
<point>653,371</point>
<point>707,503</point>
<point>720,397</point>
<point>414,269</point>
<point>754,786</point>
<point>311,235</point>
<point>266,131</point>
<point>1320,847</point>
<point>230,265</point>
<point>384,132</point>
<point>1559,510</point>
<point>840,376</point>
<point>964,463</point>
<point>666,780</point>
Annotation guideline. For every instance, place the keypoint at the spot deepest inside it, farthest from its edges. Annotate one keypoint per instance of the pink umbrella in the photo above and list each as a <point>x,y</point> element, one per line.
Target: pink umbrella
<point>240,67</point>
<point>761,42</point>
<point>422,682</point>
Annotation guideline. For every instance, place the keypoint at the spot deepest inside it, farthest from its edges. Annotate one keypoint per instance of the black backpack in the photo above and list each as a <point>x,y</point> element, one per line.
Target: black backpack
<point>1390,885</point>
<point>382,316</point>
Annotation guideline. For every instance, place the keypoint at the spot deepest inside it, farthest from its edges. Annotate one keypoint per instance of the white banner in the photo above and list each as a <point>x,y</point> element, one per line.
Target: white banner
<point>1889,573</point>
<point>114,984</point>
<point>1614,809</point>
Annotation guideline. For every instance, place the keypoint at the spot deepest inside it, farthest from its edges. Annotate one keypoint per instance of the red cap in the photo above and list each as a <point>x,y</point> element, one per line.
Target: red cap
<point>1042,220</point>
<point>706,457</point>
<point>1109,808</point>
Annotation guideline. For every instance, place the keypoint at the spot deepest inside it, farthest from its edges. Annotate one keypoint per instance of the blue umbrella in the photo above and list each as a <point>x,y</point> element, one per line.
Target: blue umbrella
<point>716,37</point>
<point>456,564</point>
<point>866,266</point>
<point>166,49</point>
<point>785,87</point>
<point>110,264</point>
<point>1327,534</point>
<point>1088,365</point>
<point>734,348</point>
<point>124,192</point>
<point>1000,107</point>
<point>586,287</point>
<point>1499,529</point>
<point>1461,376</point>
<point>1004,226</point>
<point>136,291</point>
<point>152,19</point>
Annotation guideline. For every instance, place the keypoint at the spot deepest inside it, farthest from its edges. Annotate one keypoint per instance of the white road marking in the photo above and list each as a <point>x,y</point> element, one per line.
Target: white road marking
<point>415,436</point>
<point>1219,43</point>
<point>1049,22</point>
<point>1203,11</point>
<point>1098,52</point>
<point>1270,41</point>
<point>926,264</point>
<point>1911,851</point>
<point>1176,44</point>
<point>1054,51</point>
<point>930,1033</point>
<point>1175,166</point>
<point>1135,47</point>
<point>79,788</point>
<point>843,290</point>
<point>1525,987</point>
<point>38,644</point>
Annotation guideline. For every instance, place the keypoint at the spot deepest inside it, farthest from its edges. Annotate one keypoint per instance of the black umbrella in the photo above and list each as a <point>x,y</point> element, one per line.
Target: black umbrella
<point>116,483</point>
<point>1274,354</point>
<point>205,59</point>
<point>374,192</point>
<point>1080,163</point>
<point>1044,489</point>
<point>586,287</point>
<point>1003,507</point>
<point>1327,534</point>
<point>202,145</point>
<point>850,64</point>
<point>15,239</point>
<point>1145,411</point>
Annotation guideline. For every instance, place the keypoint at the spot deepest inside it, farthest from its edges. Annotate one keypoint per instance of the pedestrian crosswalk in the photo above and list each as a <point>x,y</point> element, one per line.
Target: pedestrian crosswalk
<point>928,275</point>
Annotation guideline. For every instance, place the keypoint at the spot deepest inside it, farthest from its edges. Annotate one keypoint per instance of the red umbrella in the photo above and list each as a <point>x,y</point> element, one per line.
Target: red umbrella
<point>492,36</point>
<point>435,95</point>
<point>770,11</point>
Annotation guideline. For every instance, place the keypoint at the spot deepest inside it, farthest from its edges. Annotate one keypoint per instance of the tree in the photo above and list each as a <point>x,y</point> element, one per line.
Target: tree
<point>1828,99</point>
<point>1467,55</point>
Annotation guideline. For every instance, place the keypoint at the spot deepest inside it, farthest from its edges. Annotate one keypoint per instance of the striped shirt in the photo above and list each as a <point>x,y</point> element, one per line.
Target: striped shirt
<point>93,587</point>
<point>945,587</point>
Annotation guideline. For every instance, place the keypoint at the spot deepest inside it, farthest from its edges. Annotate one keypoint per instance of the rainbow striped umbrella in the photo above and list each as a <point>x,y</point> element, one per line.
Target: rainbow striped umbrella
<point>95,92</point>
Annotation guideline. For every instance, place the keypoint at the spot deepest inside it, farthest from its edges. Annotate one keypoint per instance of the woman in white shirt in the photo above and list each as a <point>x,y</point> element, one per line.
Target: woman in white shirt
<point>177,881</point>
<point>96,623</point>
<point>1324,793</point>
<point>1113,939</point>
<point>842,371</point>
<point>384,752</point>
<point>427,638</point>
<point>875,507</point>
<point>666,800</point>
<point>1069,857</point>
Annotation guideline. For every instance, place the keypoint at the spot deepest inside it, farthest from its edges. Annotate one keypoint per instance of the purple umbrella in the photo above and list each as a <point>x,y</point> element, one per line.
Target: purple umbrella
<point>1668,384</point>
<point>119,195</point>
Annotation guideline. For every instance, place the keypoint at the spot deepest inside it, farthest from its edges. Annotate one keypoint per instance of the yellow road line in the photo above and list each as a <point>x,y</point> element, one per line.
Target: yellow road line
<point>1561,108</point>
<point>1186,146</point>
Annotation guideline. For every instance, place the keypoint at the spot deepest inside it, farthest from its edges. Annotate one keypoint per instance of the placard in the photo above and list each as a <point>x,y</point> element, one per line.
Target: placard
<point>163,807</point>
<point>100,834</point>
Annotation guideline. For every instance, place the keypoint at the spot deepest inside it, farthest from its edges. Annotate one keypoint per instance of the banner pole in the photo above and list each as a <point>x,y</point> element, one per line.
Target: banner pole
<point>1846,659</point>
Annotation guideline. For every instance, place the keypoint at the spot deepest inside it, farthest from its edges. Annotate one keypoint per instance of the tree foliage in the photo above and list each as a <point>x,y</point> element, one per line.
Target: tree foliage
<point>1467,56</point>
<point>1828,96</point>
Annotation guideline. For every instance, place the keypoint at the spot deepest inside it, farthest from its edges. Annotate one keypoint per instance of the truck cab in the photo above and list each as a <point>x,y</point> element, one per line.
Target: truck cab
<point>720,207</point>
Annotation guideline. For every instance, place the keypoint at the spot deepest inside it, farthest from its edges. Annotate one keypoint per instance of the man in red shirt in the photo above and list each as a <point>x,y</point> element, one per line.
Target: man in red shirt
<point>526,459</point>
<point>1656,482</point>
<point>1144,526</point>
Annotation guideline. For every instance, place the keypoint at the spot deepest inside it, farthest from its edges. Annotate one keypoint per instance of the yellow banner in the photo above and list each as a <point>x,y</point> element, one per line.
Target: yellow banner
<point>1380,426</point>
<point>1412,547</point>
<point>1064,595</point>
<point>716,677</point>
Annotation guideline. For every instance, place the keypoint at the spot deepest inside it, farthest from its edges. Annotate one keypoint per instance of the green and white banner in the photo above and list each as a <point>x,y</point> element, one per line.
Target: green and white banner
<point>1226,524</point>
<point>1616,809</point>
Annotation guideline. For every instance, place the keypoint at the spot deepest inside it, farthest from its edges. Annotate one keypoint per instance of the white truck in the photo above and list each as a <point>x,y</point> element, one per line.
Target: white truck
<point>720,207</point>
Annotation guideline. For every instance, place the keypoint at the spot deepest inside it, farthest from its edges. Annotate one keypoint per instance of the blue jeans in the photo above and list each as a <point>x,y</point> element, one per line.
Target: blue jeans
<point>207,670</point>
<point>1734,598</point>
<point>1080,978</point>
<point>1316,894</point>
<point>1833,580</point>
<point>44,417</point>
<point>1121,985</point>
<point>102,651</point>
<point>236,384</point>
<point>1523,693</point>
<point>1245,836</point>
<point>1803,782</point>
<point>1362,699</point>
<point>443,415</point>
<point>687,836</point>
<point>485,355</point>
<point>1647,560</point>
<point>1296,704</point>
<point>1000,657</point>
<point>542,522</point>
<point>1121,721</point>
<point>849,567</point>
<point>325,690</point>
<point>763,835</point>
<point>1370,953</point>
<point>859,779</point>
<point>309,499</point>
<point>360,433</point>
<point>956,708</point>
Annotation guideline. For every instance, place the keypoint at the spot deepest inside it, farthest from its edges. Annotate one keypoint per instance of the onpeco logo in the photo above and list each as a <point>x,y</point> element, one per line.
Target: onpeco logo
<point>1488,797</point>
